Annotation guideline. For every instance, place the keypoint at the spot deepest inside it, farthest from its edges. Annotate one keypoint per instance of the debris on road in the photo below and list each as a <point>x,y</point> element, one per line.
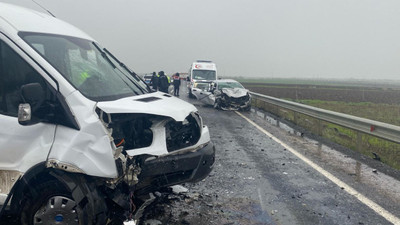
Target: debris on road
<point>178,189</point>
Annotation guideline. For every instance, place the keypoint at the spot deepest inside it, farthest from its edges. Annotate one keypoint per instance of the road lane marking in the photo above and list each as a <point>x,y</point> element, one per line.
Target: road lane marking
<point>366,201</point>
<point>261,200</point>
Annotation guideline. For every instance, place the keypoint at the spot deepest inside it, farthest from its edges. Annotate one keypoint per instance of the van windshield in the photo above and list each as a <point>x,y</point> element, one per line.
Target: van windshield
<point>85,66</point>
<point>204,75</point>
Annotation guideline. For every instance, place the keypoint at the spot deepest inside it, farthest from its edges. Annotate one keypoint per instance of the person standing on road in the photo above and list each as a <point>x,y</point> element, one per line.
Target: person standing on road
<point>177,83</point>
<point>154,81</point>
<point>163,82</point>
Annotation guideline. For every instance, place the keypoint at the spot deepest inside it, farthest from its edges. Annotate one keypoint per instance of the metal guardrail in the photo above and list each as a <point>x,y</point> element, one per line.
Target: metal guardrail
<point>382,130</point>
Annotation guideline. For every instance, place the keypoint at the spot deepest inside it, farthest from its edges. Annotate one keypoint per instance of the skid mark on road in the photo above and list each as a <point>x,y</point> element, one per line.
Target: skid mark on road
<point>366,201</point>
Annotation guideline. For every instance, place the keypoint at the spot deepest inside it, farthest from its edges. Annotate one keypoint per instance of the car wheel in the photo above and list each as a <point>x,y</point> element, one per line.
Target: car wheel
<point>247,109</point>
<point>216,105</point>
<point>191,95</point>
<point>53,202</point>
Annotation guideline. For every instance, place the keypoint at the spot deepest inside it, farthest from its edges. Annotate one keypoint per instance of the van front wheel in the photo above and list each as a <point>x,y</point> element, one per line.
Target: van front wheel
<point>55,203</point>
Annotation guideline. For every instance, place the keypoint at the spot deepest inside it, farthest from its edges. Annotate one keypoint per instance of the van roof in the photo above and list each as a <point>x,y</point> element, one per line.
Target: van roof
<point>14,19</point>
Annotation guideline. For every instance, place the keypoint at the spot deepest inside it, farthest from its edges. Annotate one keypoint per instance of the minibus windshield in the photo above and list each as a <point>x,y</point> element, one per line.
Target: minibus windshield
<point>204,75</point>
<point>83,64</point>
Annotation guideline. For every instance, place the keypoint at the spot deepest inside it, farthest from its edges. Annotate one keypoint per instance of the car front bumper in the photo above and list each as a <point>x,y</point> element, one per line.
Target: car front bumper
<point>175,168</point>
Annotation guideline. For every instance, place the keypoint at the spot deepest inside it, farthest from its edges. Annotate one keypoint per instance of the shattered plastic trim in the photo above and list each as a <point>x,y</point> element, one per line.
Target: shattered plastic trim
<point>52,163</point>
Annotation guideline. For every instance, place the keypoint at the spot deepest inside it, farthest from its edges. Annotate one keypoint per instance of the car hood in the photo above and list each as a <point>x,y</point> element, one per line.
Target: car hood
<point>235,92</point>
<point>157,103</point>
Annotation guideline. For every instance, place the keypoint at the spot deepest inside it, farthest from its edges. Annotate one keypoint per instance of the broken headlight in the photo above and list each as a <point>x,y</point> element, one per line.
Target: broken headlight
<point>183,134</point>
<point>131,130</point>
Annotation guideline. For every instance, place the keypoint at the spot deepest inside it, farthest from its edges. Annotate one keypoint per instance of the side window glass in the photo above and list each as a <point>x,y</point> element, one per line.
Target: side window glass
<point>14,72</point>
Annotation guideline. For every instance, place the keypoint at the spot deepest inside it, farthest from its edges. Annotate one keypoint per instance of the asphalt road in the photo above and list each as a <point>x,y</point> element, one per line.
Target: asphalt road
<point>257,180</point>
<point>288,178</point>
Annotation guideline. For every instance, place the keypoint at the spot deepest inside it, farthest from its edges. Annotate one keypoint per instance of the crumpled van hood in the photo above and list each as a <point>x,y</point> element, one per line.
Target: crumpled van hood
<point>235,92</point>
<point>157,103</point>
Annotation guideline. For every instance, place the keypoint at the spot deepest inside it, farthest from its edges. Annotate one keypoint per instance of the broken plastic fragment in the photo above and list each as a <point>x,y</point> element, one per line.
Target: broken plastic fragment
<point>177,189</point>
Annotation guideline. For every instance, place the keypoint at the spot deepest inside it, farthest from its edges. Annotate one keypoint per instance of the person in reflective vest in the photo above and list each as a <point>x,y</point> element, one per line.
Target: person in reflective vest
<point>177,83</point>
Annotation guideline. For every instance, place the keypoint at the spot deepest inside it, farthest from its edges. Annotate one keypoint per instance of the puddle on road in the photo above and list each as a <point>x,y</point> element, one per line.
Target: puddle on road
<point>361,173</point>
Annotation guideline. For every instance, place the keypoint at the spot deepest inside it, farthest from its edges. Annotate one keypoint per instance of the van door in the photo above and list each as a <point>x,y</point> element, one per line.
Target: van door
<point>21,147</point>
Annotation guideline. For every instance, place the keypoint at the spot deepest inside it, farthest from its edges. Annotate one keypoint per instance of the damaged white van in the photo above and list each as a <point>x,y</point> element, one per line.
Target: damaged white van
<point>81,135</point>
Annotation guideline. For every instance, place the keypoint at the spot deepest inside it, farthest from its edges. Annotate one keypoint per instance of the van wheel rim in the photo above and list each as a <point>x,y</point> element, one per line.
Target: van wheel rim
<point>58,210</point>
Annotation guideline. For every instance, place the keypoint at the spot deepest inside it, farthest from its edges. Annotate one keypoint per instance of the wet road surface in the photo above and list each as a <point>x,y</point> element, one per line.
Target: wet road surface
<point>256,180</point>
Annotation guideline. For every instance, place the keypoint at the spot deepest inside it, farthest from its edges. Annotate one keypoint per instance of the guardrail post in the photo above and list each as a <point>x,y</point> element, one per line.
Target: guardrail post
<point>319,128</point>
<point>359,141</point>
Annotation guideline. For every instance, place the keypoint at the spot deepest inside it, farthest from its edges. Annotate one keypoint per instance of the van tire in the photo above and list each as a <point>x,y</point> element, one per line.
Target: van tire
<point>191,95</point>
<point>90,207</point>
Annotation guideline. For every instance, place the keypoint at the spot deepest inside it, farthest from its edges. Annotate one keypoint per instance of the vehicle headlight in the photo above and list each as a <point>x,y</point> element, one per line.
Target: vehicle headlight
<point>183,134</point>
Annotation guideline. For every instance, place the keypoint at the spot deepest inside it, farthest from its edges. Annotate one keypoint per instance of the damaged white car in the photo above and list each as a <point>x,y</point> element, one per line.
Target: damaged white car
<point>226,94</point>
<point>82,135</point>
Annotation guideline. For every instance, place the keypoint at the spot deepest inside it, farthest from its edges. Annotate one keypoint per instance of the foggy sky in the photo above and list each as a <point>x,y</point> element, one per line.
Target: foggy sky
<point>263,38</point>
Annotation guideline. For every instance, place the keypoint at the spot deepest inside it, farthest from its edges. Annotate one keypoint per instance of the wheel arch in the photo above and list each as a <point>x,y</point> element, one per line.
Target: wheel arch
<point>84,190</point>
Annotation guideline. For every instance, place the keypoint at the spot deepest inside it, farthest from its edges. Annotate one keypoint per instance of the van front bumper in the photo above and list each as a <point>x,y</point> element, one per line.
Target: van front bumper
<point>176,168</point>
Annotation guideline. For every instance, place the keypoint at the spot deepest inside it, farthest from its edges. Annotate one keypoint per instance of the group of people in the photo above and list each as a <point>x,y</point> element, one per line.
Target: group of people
<point>161,82</point>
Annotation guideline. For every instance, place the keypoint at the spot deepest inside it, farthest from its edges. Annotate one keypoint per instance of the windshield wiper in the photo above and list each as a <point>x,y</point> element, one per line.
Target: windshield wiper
<point>104,55</point>
<point>123,65</point>
<point>133,74</point>
<point>119,62</point>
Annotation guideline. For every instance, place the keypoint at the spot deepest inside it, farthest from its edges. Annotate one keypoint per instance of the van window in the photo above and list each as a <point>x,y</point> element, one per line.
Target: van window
<point>204,75</point>
<point>85,66</point>
<point>14,72</point>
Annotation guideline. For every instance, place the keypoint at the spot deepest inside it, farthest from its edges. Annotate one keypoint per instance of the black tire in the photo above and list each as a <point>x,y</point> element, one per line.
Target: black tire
<point>247,109</point>
<point>81,202</point>
<point>217,104</point>
<point>191,95</point>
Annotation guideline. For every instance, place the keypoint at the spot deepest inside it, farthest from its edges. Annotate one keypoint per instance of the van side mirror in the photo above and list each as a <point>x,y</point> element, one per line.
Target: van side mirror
<point>33,96</point>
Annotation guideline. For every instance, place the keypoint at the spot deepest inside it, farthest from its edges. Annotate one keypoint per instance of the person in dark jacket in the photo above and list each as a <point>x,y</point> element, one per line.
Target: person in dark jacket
<point>177,83</point>
<point>163,82</point>
<point>154,81</point>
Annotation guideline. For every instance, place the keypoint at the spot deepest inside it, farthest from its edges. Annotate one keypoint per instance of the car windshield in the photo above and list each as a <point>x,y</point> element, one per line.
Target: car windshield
<point>204,75</point>
<point>85,66</point>
<point>229,85</point>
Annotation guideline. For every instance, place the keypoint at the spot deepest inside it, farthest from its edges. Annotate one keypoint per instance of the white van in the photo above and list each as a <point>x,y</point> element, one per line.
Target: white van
<point>81,134</point>
<point>201,71</point>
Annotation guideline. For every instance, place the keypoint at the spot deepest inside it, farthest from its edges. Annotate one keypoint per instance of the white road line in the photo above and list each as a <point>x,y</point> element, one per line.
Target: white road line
<point>377,208</point>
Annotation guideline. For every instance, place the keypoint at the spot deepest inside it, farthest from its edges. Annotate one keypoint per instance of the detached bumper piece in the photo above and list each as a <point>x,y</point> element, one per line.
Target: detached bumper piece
<point>188,166</point>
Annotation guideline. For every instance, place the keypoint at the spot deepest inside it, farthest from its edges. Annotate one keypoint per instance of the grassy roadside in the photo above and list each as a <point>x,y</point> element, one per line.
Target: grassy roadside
<point>366,144</point>
<point>380,112</point>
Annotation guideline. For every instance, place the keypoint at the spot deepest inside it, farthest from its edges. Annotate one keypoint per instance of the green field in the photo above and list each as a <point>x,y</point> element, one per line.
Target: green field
<point>324,82</point>
<point>380,112</point>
